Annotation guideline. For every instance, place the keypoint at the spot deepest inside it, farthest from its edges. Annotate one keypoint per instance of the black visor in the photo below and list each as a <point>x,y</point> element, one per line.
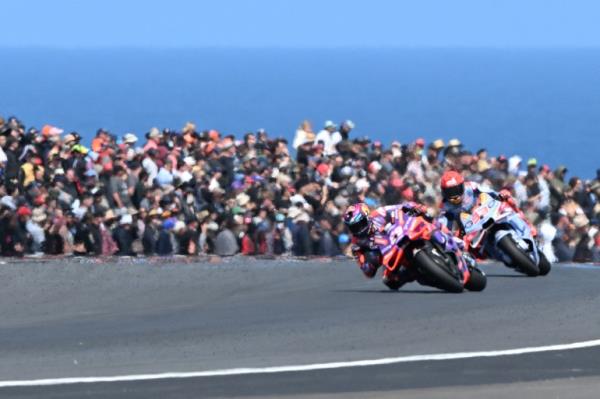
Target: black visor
<point>360,227</point>
<point>453,191</point>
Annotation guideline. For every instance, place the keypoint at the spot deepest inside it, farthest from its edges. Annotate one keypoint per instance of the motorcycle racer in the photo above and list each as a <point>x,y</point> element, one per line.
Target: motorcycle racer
<point>459,196</point>
<point>369,236</point>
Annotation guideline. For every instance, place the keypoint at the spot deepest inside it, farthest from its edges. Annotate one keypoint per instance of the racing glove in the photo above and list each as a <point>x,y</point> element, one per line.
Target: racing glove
<point>504,195</point>
<point>412,208</point>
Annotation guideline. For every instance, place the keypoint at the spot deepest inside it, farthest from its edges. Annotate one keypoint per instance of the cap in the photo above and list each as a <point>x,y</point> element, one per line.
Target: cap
<point>126,219</point>
<point>323,169</point>
<point>69,138</point>
<point>49,130</point>
<point>168,224</point>
<point>329,124</point>
<point>420,142</point>
<point>532,162</point>
<point>80,149</point>
<point>348,123</point>
<point>24,211</point>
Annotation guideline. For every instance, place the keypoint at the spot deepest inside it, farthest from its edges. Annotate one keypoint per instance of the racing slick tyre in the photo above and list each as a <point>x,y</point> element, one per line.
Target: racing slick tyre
<point>477,281</point>
<point>544,265</point>
<point>437,268</point>
<point>520,259</point>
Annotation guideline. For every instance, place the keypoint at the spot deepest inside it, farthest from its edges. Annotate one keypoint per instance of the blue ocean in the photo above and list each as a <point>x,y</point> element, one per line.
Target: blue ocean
<point>531,102</point>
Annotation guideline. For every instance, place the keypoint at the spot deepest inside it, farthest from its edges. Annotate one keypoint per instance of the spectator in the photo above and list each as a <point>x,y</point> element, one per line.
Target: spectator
<point>194,191</point>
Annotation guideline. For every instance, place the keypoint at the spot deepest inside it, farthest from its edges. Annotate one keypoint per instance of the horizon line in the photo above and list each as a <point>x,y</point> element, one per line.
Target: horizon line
<point>307,47</point>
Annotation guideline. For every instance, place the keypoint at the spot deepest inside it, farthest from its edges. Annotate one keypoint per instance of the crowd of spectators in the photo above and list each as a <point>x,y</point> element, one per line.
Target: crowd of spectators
<point>191,192</point>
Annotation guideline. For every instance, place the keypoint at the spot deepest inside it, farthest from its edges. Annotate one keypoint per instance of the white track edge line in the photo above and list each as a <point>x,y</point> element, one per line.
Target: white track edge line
<point>307,367</point>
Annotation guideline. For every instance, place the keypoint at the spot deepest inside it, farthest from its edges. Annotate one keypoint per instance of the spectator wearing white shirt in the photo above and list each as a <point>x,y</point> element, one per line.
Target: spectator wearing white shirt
<point>304,134</point>
<point>150,166</point>
<point>330,137</point>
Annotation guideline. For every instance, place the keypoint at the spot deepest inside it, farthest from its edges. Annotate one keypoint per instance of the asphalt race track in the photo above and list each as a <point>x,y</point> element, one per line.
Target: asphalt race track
<point>72,319</point>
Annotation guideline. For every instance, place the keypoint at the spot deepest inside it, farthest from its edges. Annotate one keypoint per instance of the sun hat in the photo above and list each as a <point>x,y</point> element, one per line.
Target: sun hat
<point>203,214</point>
<point>130,138</point>
<point>38,215</point>
<point>154,132</point>
<point>437,144</point>
<point>154,212</point>
<point>110,215</point>
<point>454,143</point>
<point>189,127</point>
<point>242,199</point>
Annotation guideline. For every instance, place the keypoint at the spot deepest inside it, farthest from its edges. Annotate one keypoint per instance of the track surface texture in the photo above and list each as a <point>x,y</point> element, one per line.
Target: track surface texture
<point>90,319</point>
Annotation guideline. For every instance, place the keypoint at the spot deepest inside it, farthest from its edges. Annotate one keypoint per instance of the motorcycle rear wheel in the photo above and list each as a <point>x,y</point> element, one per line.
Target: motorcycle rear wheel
<point>520,259</point>
<point>427,264</point>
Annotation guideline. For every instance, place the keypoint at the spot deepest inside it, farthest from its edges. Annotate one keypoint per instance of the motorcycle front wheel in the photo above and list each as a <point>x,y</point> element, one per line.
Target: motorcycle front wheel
<point>519,258</point>
<point>544,264</point>
<point>436,267</point>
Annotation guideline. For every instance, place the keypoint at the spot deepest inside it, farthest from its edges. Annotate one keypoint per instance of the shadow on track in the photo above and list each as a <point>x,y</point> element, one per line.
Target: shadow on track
<point>400,291</point>
<point>507,275</point>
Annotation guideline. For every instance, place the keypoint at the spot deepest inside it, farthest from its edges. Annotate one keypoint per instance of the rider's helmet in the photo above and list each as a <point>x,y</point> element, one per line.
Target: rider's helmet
<point>357,219</point>
<point>453,187</point>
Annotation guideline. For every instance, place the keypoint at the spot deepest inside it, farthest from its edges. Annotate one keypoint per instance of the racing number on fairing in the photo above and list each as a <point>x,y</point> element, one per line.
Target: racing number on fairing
<point>396,233</point>
<point>480,213</point>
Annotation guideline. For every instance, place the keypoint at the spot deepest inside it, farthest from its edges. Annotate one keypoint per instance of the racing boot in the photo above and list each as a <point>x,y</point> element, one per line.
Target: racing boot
<point>395,280</point>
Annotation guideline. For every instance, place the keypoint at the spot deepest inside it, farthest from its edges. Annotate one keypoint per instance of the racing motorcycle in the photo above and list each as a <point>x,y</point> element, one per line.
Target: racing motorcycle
<point>435,258</point>
<point>495,229</point>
